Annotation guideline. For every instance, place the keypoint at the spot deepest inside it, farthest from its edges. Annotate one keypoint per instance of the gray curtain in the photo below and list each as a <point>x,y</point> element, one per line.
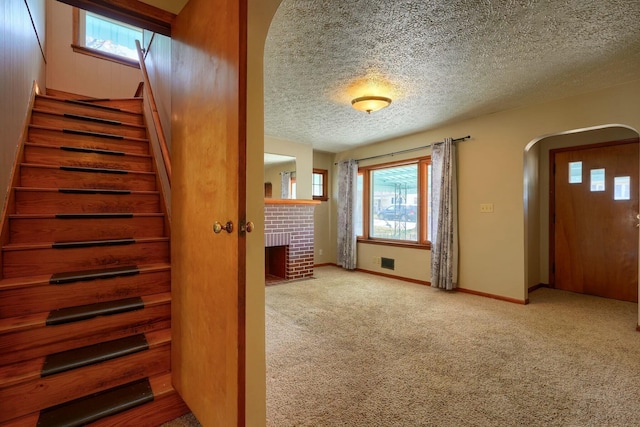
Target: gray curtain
<point>285,184</point>
<point>347,176</point>
<point>444,216</point>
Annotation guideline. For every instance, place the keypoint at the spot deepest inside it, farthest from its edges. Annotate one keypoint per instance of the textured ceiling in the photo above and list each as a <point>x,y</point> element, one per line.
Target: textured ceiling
<point>440,61</point>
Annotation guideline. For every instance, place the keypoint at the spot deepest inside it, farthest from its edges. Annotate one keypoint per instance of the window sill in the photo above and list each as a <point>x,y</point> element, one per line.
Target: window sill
<point>321,198</point>
<point>107,56</point>
<point>411,245</point>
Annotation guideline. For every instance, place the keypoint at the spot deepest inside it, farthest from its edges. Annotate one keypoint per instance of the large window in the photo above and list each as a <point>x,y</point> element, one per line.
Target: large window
<point>106,38</point>
<point>395,203</point>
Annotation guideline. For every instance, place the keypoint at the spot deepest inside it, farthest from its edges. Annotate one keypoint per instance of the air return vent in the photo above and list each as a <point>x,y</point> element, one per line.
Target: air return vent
<point>387,263</point>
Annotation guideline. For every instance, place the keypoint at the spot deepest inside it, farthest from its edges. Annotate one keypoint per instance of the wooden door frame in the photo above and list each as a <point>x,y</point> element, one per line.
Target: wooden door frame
<point>552,195</point>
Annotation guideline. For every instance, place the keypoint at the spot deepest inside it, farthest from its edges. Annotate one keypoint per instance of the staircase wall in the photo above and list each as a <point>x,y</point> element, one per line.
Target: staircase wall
<point>26,65</point>
<point>78,73</point>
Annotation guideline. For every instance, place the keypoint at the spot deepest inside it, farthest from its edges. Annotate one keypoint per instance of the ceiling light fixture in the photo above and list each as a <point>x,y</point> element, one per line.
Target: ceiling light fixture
<point>370,103</point>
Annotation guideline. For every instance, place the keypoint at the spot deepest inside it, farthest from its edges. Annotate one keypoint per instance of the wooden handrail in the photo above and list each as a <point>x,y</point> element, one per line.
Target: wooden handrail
<point>154,113</point>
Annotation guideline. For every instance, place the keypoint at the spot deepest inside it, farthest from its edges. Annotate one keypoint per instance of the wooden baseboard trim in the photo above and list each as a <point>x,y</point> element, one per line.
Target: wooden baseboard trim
<point>326,264</point>
<point>426,283</point>
<point>638,328</point>
<point>391,276</point>
<point>538,286</point>
<point>493,296</point>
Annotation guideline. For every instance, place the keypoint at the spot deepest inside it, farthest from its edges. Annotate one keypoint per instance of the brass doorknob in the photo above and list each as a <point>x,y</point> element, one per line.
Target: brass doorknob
<point>248,227</point>
<point>217,227</point>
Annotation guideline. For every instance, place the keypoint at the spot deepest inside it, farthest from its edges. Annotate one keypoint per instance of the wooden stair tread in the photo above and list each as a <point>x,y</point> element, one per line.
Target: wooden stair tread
<point>103,273</point>
<point>166,406</point>
<point>87,133</point>
<point>73,255</point>
<point>113,242</point>
<point>96,353</point>
<point>32,369</point>
<point>44,279</point>
<point>86,190</point>
<point>85,169</point>
<point>89,409</point>
<point>126,111</point>
<point>87,118</point>
<point>86,150</point>
<point>84,312</point>
<point>84,380</point>
<point>90,122</point>
<point>59,94</point>
<point>14,324</point>
<point>92,354</point>
<point>39,199</point>
<point>86,103</point>
<point>91,215</point>
<point>39,175</point>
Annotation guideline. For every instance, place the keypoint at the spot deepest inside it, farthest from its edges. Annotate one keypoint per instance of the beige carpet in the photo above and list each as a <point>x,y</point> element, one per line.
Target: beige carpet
<point>352,349</point>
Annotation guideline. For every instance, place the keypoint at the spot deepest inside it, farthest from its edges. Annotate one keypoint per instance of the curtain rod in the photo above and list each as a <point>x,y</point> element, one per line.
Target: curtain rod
<point>464,138</point>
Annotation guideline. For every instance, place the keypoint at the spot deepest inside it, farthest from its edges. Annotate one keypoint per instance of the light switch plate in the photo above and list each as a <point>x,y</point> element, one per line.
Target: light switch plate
<point>486,207</point>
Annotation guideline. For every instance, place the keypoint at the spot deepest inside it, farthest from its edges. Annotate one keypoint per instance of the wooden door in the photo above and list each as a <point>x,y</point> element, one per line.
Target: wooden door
<point>208,156</point>
<point>594,201</point>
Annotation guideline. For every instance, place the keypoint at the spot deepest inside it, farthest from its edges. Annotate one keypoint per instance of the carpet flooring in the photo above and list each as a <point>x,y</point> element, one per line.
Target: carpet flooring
<point>352,349</point>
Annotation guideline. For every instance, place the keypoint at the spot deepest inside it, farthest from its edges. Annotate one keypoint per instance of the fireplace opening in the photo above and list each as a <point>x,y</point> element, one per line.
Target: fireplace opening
<point>275,264</point>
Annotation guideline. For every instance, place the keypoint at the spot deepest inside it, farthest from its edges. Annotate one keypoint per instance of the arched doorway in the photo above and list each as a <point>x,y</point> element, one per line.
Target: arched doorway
<point>536,192</point>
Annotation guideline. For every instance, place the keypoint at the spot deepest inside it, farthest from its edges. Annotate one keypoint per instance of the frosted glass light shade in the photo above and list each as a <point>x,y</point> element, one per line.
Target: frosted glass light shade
<point>370,103</point>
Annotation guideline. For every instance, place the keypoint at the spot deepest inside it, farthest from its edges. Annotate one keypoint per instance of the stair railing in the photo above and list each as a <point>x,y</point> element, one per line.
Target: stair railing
<point>154,110</point>
<point>157,137</point>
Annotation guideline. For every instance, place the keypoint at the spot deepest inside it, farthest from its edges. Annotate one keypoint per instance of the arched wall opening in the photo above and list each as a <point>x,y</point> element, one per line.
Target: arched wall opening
<point>536,192</point>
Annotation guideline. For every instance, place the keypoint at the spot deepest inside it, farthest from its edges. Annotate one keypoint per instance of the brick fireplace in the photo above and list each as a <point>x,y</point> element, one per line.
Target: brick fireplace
<point>288,238</point>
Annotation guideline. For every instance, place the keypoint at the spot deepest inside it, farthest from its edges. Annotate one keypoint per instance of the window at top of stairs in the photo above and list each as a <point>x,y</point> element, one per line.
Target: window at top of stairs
<point>105,38</point>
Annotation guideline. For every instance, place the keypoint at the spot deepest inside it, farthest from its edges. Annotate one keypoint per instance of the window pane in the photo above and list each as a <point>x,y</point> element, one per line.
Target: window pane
<point>394,203</point>
<point>622,188</point>
<point>575,172</point>
<point>597,179</point>
<point>317,185</point>
<point>358,207</point>
<point>110,36</point>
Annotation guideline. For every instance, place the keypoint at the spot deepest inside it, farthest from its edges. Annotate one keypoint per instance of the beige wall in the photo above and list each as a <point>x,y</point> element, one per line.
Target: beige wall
<point>325,245</point>
<point>272,175</point>
<point>260,13</point>
<point>78,73</point>
<point>304,162</point>
<point>23,63</point>
<point>491,170</point>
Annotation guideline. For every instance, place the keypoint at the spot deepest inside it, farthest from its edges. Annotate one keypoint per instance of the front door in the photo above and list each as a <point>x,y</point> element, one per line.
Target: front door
<point>594,238</point>
<point>208,186</point>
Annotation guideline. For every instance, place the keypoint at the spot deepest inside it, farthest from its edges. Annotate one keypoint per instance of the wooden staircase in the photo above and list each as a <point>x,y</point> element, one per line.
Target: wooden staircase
<point>85,303</point>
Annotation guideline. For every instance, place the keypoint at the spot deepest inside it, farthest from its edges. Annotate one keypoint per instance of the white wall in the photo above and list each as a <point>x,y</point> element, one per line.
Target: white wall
<point>78,73</point>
